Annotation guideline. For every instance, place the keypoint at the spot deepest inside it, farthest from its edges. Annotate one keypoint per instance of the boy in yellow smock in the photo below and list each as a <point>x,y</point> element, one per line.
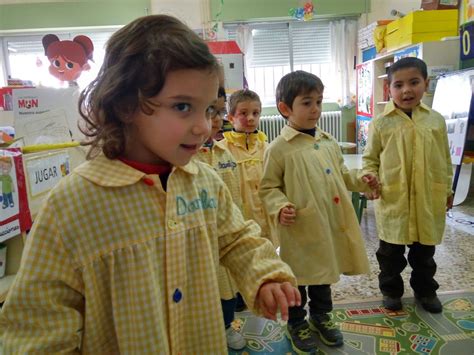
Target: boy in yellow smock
<point>247,144</point>
<point>408,149</point>
<point>305,191</point>
<point>225,165</point>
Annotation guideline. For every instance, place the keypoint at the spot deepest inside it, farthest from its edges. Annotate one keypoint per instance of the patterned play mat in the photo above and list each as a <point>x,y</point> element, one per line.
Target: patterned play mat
<point>370,329</point>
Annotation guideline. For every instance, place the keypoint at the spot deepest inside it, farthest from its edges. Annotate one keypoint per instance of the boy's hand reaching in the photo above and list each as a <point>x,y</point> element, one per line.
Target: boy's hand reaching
<point>449,202</point>
<point>374,184</point>
<point>287,215</point>
<point>274,295</point>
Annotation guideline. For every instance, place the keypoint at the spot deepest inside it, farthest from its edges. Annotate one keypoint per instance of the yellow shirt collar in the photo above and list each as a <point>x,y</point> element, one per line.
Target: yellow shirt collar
<point>390,107</point>
<point>243,139</point>
<point>114,173</point>
<point>288,133</point>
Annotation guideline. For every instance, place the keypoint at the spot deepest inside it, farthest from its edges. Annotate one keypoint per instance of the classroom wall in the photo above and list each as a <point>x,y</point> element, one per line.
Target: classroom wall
<point>380,10</point>
<point>242,10</point>
<point>194,13</point>
<point>79,13</point>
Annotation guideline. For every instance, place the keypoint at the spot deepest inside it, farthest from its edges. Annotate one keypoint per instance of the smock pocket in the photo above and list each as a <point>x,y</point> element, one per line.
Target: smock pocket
<point>438,204</point>
<point>393,201</point>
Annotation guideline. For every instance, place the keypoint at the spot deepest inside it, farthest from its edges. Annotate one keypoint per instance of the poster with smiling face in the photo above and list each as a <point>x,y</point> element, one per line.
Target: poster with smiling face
<point>68,59</point>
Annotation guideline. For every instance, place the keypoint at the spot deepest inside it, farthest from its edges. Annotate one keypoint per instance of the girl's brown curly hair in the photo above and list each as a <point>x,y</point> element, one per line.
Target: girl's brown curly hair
<point>138,58</point>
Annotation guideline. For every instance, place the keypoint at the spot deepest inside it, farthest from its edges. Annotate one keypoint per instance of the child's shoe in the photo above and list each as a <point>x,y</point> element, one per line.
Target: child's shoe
<point>235,340</point>
<point>392,303</point>
<point>303,340</point>
<point>430,304</point>
<point>327,330</point>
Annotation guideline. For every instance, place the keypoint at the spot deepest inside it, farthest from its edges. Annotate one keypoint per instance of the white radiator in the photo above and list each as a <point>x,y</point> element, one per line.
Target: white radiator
<point>330,122</point>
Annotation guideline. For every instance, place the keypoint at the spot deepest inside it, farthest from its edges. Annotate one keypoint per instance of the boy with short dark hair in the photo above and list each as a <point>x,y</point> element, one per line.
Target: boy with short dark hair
<point>408,150</point>
<point>305,191</point>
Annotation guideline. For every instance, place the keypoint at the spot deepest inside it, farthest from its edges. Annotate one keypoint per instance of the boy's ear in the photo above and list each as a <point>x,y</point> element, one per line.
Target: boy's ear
<point>427,84</point>
<point>230,118</point>
<point>284,109</point>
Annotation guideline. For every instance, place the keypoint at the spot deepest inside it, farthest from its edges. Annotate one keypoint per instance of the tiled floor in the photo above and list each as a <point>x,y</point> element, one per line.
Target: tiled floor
<point>455,259</point>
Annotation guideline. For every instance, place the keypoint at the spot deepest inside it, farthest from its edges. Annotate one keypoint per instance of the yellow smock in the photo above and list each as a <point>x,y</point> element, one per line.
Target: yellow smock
<point>309,173</point>
<point>225,165</point>
<point>114,264</point>
<point>411,157</point>
<point>248,150</point>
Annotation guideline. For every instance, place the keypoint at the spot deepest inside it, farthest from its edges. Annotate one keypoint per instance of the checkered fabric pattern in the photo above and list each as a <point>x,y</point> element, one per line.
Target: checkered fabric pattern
<point>114,264</point>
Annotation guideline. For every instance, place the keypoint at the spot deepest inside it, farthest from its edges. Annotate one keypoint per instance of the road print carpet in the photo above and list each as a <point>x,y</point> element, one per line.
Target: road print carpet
<point>369,328</point>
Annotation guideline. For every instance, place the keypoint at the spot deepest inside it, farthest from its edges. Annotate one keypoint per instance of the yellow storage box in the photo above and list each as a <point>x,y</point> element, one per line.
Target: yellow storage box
<point>422,26</point>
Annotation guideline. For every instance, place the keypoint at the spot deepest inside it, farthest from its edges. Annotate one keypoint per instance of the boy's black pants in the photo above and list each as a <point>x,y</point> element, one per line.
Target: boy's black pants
<point>392,261</point>
<point>320,302</point>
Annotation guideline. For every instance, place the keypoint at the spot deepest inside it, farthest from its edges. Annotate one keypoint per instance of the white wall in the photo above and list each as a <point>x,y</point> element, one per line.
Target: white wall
<point>380,10</point>
<point>195,13</point>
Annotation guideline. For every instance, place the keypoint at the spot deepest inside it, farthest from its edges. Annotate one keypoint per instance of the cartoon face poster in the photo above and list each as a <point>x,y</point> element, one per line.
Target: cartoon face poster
<point>14,212</point>
<point>68,59</point>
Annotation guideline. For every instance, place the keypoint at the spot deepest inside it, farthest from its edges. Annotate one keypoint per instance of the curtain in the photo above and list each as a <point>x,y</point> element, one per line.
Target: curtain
<point>343,52</point>
<point>245,41</point>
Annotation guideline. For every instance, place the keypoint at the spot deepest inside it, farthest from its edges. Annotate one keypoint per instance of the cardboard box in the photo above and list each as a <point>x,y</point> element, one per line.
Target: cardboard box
<point>439,4</point>
<point>421,26</point>
<point>396,41</point>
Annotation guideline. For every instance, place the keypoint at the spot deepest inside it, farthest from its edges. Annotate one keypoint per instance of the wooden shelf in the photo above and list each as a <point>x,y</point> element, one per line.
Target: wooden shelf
<point>382,102</point>
<point>5,283</point>
<point>384,76</point>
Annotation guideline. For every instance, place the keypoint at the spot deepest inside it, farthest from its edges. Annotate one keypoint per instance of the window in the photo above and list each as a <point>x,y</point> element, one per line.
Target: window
<point>280,48</point>
<point>25,59</point>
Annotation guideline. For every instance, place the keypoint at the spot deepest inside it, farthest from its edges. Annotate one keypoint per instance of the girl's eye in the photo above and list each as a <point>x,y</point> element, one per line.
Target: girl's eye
<point>69,65</point>
<point>56,63</point>
<point>183,107</point>
<point>211,112</point>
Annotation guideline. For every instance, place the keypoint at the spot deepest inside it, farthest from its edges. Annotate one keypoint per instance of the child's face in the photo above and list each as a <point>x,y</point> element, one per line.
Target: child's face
<point>66,70</point>
<point>305,111</point>
<point>180,123</point>
<point>5,168</point>
<point>217,120</point>
<point>246,116</point>
<point>407,88</point>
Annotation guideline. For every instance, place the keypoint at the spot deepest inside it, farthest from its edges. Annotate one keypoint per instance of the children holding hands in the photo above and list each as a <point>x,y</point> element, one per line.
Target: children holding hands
<point>305,191</point>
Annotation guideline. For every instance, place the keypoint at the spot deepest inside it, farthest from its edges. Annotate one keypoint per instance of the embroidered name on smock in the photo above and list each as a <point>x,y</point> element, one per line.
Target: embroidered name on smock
<point>203,202</point>
<point>226,165</point>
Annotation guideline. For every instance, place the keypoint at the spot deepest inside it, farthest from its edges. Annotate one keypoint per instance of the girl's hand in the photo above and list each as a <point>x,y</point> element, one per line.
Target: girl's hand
<point>275,295</point>
<point>287,215</point>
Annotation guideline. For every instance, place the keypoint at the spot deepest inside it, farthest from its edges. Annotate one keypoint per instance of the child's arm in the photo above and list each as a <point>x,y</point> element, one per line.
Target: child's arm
<point>449,173</point>
<point>43,311</point>
<point>371,156</point>
<point>275,201</point>
<point>262,278</point>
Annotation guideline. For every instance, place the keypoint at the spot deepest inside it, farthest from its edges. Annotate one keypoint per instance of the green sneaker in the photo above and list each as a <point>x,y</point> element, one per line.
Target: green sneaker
<point>327,330</point>
<point>303,340</point>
